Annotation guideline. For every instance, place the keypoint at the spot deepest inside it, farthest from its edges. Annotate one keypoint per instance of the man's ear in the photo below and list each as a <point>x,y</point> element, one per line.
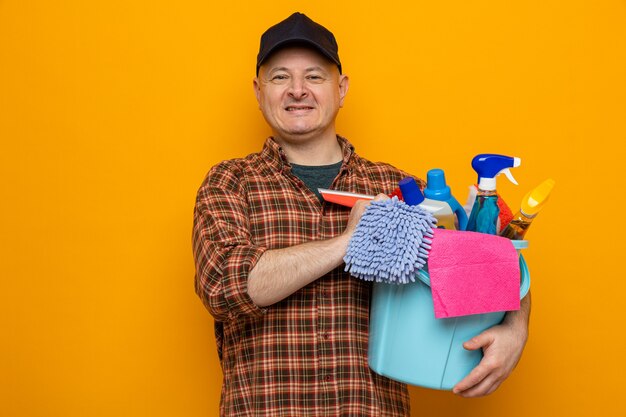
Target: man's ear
<point>257,89</point>
<point>344,84</point>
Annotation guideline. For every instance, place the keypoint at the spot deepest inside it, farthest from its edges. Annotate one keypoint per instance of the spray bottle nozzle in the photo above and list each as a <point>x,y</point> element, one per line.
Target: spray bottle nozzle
<point>489,166</point>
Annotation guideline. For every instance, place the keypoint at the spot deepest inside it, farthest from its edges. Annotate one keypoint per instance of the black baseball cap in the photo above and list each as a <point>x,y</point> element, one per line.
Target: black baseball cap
<point>298,29</point>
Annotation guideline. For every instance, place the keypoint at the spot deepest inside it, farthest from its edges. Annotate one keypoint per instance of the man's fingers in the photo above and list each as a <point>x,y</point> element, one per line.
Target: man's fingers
<point>361,204</point>
<point>481,341</point>
<point>489,373</point>
<point>355,215</point>
<point>484,387</point>
<point>488,368</point>
<point>501,349</point>
<point>474,378</point>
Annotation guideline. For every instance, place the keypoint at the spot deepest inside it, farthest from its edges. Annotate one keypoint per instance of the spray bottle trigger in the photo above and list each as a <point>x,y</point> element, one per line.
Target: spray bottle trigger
<point>508,174</point>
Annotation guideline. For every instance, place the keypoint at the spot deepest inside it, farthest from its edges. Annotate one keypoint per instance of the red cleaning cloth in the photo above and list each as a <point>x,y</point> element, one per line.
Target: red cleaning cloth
<point>505,215</point>
<point>473,273</point>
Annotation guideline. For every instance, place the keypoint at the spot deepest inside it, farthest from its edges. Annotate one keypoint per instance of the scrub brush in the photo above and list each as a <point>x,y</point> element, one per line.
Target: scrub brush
<point>390,243</point>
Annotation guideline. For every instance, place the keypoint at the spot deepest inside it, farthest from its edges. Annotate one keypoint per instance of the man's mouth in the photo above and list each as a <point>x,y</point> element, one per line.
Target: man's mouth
<point>298,108</point>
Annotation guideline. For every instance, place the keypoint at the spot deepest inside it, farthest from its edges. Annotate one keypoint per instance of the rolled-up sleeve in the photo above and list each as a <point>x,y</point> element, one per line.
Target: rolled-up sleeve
<point>223,251</point>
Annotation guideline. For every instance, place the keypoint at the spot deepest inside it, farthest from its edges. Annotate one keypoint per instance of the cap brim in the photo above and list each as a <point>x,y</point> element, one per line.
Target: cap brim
<point>287,42</point>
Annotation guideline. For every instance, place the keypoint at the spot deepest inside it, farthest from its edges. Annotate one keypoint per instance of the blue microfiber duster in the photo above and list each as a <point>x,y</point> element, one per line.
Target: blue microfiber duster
<point>390,243</point>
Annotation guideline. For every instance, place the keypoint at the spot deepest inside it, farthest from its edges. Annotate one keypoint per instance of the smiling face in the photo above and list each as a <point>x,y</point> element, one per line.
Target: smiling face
<point>300,92</point>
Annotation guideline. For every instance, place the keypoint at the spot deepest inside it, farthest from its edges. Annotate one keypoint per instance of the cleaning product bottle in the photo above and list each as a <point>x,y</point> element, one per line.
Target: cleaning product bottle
<point>484,215</point>
<point>531,204</point>
<point>413,196</point>
<point>438,194</point>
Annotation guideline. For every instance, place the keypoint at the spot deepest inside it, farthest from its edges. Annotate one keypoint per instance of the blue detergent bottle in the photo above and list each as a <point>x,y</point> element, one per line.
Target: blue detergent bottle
<point>484,215</point>
<point>438,194</point>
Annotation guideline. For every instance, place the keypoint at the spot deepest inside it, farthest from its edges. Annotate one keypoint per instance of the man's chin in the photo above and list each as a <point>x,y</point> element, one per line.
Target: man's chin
<point>300,133</point>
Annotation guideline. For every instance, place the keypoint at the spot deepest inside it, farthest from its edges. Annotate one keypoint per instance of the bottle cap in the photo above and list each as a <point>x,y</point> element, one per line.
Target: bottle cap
<point>436,188</point>
<point>537,197</point>
<point>411,191</point>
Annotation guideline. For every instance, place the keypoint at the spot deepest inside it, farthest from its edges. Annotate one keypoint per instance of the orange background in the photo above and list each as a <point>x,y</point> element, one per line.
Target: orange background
<point>111,112</point>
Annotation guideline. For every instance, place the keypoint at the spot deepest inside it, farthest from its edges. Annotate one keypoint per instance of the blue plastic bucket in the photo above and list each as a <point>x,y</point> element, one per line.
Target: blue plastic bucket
<point>408,344</point>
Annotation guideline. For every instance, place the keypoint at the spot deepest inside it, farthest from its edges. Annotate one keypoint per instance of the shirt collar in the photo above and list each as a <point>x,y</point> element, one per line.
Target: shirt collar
<point>274,154</point>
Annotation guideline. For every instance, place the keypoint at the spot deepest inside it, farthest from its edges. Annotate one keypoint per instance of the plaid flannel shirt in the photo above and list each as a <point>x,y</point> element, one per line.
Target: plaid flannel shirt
<point>307,354</point>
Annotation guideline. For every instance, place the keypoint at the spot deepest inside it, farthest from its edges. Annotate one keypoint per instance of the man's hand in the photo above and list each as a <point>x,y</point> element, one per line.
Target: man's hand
<point>357,211</point>
<point>502,347</point>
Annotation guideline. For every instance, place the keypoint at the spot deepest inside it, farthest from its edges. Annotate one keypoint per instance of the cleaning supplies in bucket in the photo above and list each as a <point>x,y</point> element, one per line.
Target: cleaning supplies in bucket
<point>407,342</point>
<point>472,273</point>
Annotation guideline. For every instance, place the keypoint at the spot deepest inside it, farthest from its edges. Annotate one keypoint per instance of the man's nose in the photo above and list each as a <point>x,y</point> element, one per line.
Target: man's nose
<point>297,88</point>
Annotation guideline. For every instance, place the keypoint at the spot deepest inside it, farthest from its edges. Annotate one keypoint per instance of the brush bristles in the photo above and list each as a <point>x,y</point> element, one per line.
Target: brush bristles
<point>391,242</point>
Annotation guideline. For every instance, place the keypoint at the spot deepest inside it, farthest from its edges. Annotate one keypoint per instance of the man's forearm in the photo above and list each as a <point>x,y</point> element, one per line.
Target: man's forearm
<point>520,317</point>
<point>281,272</point>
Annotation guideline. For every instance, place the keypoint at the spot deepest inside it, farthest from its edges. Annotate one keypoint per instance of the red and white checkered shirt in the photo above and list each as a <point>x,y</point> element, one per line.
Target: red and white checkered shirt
<point>305,355</point>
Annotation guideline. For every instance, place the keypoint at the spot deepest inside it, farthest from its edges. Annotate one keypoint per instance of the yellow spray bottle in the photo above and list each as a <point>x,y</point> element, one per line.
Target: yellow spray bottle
<point>531,204</point>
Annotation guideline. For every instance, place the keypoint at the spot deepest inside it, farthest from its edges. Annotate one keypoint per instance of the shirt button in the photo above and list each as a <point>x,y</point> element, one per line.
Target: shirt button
<point>328,378</point>
<point>325,336</point>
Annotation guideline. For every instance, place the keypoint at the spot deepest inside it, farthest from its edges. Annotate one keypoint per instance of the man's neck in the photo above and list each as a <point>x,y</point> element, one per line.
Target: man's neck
<point>320,151</point>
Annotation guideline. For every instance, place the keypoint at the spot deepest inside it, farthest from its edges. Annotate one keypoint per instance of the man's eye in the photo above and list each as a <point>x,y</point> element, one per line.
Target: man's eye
<point>279,77</point>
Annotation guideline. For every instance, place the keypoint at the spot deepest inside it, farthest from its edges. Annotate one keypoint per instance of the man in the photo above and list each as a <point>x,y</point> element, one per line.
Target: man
<point>291,326</point>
